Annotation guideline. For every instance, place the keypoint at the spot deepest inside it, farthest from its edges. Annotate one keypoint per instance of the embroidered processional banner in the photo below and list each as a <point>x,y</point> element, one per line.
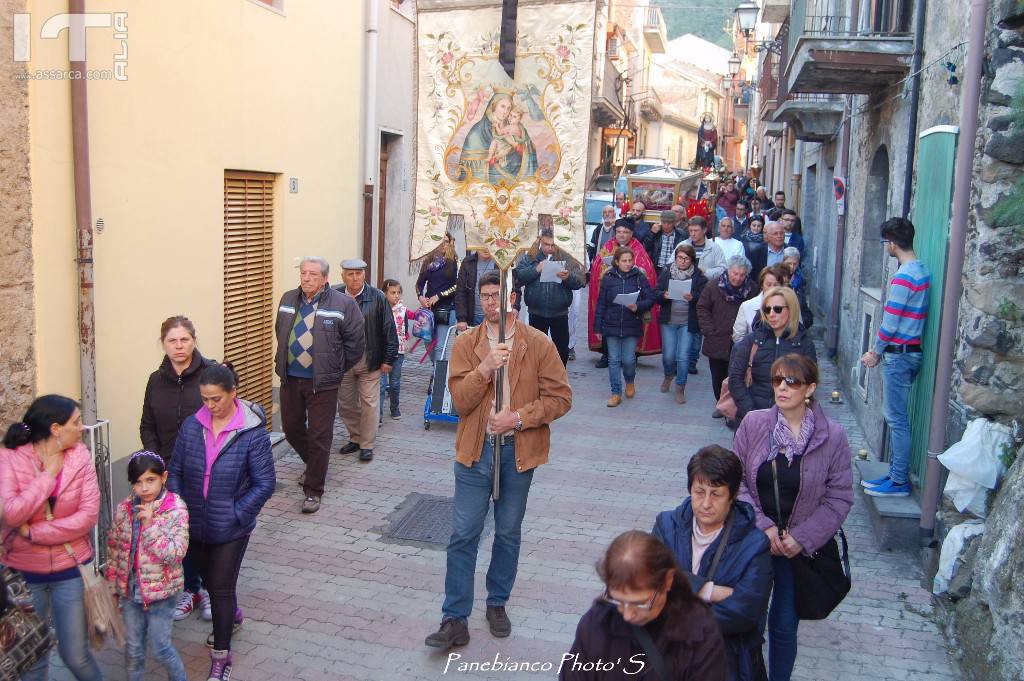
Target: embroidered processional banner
<point>501,153</point>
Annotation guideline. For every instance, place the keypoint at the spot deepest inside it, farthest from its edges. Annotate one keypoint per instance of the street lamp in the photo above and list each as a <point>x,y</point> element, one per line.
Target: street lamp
<point>734,64</point>
<point>746,16</point>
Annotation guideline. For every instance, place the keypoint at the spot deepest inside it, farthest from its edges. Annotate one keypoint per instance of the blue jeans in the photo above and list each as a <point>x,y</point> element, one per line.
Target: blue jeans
<point>154,624</point>
<point>782,622</point>
<point>391,384</point>
<point>63,605</point>
<point>675,351</point>
<point>472,497</point>
<point>441,332</point>
<point>621,361</point>
<point>898,373</point>
<point>695,342</point>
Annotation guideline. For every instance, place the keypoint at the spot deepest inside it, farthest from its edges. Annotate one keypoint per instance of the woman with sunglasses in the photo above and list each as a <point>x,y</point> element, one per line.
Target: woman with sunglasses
<point>649,624</point>
<point>795,446</point>
<point>778,332</point>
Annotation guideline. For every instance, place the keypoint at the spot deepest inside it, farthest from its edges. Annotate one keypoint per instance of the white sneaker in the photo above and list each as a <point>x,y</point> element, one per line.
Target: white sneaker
<point>186,604</point>
<point>204,599</point>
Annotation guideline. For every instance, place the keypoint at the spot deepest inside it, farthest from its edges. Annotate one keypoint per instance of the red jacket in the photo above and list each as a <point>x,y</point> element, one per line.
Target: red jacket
<point>24,489</point>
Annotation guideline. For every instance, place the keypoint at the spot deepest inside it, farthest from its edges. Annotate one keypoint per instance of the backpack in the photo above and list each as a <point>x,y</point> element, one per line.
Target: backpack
<point>423,325</point>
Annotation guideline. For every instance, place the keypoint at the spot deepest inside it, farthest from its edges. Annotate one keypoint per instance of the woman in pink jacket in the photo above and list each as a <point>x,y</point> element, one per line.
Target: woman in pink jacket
<point>44,466</point>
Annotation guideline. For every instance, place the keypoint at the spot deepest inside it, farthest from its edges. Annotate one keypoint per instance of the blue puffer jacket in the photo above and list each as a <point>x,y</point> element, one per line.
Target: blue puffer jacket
<point>745,566</point>
<point>611,319</point>
<point>241,481</point>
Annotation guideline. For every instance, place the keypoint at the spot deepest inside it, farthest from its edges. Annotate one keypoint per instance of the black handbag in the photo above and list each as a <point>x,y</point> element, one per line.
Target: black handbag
<point>24,636</point>
<point>823,579</point>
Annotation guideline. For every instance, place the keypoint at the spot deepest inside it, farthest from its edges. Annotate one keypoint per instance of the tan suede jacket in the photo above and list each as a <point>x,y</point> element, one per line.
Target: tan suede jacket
<point>540,393</point>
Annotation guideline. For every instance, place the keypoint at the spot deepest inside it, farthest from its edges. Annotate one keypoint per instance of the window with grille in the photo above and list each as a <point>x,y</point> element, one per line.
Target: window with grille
<point>249,283</point>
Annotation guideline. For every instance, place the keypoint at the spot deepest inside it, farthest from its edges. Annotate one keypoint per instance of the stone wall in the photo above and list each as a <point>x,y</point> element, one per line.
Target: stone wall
<point>17,361</point>
<point>989,375</point>
<point>988,624</point>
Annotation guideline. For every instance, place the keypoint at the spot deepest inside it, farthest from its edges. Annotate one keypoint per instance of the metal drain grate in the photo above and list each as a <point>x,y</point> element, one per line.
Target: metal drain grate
<point>427,519</point>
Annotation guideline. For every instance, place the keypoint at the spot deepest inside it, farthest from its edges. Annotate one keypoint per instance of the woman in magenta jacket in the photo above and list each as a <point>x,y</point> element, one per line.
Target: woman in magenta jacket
<point>810,456</point>
<point>44,466</point>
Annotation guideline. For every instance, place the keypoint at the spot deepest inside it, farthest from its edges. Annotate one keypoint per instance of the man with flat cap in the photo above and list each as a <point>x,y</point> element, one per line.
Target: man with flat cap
<point>359,394</point>
<point>660,243</point>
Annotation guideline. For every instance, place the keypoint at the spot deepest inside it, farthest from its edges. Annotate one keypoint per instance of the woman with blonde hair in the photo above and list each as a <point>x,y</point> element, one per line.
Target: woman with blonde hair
<point>777,332</point>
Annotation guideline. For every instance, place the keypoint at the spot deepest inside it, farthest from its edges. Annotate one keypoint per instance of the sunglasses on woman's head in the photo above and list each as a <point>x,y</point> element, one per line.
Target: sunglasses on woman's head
<point>791,381</point>
<point>778,309</point>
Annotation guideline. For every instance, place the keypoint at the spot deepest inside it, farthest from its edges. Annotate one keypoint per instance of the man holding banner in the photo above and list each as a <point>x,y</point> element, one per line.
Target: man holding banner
<point>536,390</point>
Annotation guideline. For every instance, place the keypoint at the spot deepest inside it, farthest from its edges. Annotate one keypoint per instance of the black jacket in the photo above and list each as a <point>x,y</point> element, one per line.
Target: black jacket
<point>169,400</point>
<point>611,319</point>
<point>552,298</point>
<point>652,244</point>
<point>338,340</point>
<point>745,567</point>
<point>465,289</point>
<point>696,654</point>
<point>699,282</point>
<point>760,394</point>
<point>378,326</point>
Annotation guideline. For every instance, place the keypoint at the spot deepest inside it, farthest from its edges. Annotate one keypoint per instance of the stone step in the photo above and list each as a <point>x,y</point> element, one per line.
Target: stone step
<point>894,519</point>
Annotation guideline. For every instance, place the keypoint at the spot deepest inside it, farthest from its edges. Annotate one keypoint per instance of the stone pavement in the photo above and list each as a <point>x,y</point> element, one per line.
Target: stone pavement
<point>326,599</point>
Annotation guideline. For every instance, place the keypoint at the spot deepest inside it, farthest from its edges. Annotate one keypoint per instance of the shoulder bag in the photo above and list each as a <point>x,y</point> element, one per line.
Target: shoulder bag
<point>726,404</point>
<point>24,636</point>
<point>823,578</point>
<point>654,655</point>
<point>102,616</point>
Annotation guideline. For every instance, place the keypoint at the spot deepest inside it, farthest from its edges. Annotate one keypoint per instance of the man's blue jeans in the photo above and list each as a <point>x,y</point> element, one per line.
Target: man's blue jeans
<point>63,604</point>
<point>154,624</point>
<point>472,498</point>
<point>391,384</point>
<point>782,622</point>
<point>695,341</point>
<point>675,351</point>
<point>621,361</point>
<point>898,373</point>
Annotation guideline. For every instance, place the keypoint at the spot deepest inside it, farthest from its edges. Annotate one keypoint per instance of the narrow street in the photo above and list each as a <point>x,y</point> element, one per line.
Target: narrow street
<point>326,599</point>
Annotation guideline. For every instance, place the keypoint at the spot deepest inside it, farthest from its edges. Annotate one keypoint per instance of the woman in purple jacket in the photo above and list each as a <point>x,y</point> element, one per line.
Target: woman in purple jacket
<point>810,455</point>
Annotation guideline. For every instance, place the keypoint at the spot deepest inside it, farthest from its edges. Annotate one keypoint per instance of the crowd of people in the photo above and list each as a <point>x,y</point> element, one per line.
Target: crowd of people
<point>694,597</point>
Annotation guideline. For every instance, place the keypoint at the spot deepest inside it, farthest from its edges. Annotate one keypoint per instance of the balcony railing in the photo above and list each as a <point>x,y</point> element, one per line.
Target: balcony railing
<point>768,83</point>
<point>828,18</point>
<point>655,31</point>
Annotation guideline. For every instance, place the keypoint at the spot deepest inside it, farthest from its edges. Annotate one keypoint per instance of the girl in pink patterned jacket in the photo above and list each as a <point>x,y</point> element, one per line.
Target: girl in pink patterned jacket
<point>147,543</point>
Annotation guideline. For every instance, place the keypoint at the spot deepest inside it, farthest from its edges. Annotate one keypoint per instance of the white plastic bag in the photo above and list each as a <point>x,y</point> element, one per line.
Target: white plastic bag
<point>974,465</point>
<point>952,546</point>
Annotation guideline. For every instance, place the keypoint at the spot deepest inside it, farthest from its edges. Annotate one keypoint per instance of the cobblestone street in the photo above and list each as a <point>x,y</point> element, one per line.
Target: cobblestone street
<point>326,599</point>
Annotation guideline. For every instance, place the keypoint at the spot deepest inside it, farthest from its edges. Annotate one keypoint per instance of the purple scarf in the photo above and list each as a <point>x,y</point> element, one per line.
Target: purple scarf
<point>783,440</point>
<point>732,294</point>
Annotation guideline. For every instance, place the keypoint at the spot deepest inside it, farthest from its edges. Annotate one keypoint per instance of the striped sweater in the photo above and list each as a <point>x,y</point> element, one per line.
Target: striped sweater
<point>906,308</point>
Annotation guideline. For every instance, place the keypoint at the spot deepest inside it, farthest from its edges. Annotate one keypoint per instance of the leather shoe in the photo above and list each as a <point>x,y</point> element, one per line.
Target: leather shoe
<point>614,400</point>
<point>452,633</point>
<point>350,448</point>
<point>311,505</point>
<point>498,621</point>
<point>602,363</point>
<point>630,390</point>
<point>366,455</point>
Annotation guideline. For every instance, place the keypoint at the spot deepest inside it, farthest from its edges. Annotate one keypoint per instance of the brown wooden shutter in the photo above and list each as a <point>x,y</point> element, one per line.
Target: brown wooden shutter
<point>249,283</point>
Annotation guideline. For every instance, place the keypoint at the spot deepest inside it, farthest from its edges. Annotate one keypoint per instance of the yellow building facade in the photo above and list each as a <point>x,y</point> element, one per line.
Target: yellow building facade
<point>211,88</point>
